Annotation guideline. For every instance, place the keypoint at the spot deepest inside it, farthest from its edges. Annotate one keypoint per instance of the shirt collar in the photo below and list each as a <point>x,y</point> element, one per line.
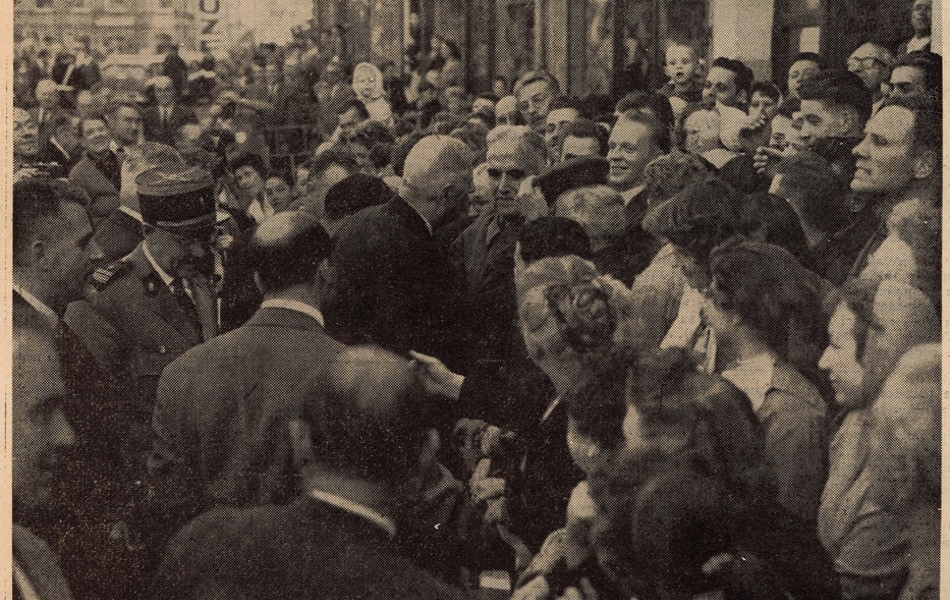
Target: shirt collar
<point>377,518</point>
<point>55,142</point>
<point>115,147</point>
<point>36,303</point>
<point>135,215</point>
<point>424,220</point>
<point>168,279</point>
<point>753,376</point>
<point>294,305</point>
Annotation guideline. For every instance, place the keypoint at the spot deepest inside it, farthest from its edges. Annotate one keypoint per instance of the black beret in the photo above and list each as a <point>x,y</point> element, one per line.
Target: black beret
<point>177,197</point>
<point>355,193</point>
<point>574,173</point>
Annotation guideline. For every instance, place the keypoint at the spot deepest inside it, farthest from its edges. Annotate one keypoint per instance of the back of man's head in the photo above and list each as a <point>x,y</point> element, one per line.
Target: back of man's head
<point>38,201</point>
<point>286,251</point>
<point>585,128</point>
<point>656,104</point>
<point>370,418</point>
<point>433,162</point>
<point>837,88</point>
<point>553,236</point>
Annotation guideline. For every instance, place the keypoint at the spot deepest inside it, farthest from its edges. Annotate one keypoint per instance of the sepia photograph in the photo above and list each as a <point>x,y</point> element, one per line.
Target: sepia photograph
<point>486,299</point>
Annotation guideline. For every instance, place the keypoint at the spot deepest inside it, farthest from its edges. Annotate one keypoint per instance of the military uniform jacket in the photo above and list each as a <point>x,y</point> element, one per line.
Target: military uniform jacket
<point>134,327</point>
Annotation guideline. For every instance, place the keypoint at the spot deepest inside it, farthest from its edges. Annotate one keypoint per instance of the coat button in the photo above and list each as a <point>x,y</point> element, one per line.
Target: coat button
<point>162,350</point>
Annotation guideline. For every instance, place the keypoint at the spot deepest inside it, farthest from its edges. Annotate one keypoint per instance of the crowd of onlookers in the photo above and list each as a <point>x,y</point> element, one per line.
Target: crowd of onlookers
<point>322,329</point>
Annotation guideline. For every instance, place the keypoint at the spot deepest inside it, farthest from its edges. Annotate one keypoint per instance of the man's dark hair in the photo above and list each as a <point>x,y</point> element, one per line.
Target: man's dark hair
<point>353,194</point>
<point>656,103</point>
<point>744,75</point>
<point>928,124</point>
<point>585,128</point>
<point>659,131</point>
<point>36,198</point>
<point>255,161</point>
<point>61,120</point>
<point>425,86</point>
<point>371,133</point>
<point>354,104</point>
<point>553,236</point>
<point>767,89</point>
<point>487,96</point>
<point>367,414</point>
<point>930,65</point>
<point>287,249</point>
<point>838,87</point>
<point>811,56</point>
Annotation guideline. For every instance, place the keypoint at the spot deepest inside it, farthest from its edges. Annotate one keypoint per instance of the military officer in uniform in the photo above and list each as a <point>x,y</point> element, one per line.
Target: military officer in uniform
<point>145,310</point>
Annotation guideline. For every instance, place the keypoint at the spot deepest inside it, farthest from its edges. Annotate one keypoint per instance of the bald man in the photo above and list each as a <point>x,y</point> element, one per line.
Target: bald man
<point>389,280</point>
<point>222,408</point>
<point>365,433</point>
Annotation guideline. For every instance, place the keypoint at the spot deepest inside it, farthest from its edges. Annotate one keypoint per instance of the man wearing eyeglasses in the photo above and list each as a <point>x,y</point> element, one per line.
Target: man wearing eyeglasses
<point>150,307</point>
<point>535,91</point>
<point>872,62</point>
<point>483,256</point>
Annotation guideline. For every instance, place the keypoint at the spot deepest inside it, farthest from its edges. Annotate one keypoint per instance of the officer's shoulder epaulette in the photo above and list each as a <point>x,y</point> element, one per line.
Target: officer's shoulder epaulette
<point>102,276</point>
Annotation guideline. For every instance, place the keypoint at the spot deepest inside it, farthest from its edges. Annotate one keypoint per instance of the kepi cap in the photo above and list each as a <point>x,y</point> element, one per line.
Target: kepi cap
<point>177,198</point>
<point>573,173</point>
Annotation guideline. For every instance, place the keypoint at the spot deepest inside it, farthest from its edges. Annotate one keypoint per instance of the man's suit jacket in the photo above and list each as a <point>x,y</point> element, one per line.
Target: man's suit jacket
<point>390,283</point>
<point>222,409</point>
<point>53,154</point>
<point>103,194</point>
<point>307,549</point>
<point>156,132</point>
<point>40,566</point>
<point>134,327</point>
<point>46,127</point>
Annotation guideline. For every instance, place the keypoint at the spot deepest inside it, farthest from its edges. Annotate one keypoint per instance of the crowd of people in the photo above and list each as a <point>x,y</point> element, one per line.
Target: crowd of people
<point>684,345</point>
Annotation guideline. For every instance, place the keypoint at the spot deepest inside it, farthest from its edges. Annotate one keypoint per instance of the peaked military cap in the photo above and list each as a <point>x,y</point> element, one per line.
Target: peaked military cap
<point>177,198</point>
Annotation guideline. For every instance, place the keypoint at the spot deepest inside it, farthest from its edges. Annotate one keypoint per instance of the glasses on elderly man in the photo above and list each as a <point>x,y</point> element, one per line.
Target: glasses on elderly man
<point>511,173</point>
<point>867,62</point>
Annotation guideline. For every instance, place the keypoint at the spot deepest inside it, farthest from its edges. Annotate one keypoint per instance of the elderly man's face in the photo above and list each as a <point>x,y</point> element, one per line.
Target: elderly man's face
<point>534,102</point>
<point>555,123</point>
<point>40,429</point>
<point>868,63</point>
<point>885,158</point>
<point>25,134</point>
<point>906,82</point>
<point>798,73</point>
<point>95,135</point>
<point>508,165</point>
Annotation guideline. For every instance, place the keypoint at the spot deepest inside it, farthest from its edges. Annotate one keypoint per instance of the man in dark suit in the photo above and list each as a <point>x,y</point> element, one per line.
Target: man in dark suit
<point>222,408</point>
<point>37,390</point>
<point>389,282</point>
<point>98,171</point>
<point>367,437</point>
<point>53,255</point>
<point>45,113</point>
<point>63,146</point>
<point>161,122</point>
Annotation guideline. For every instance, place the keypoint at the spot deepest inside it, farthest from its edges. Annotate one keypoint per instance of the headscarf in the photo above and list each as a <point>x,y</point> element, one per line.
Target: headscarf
<point>371,71</point>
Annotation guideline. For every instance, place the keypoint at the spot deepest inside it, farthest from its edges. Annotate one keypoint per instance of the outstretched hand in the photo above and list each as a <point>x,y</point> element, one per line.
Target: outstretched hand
<point>436,378</point>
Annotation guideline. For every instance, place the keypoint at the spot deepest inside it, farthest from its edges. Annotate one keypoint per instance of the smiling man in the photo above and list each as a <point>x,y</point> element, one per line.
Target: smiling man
<point>98,172</point>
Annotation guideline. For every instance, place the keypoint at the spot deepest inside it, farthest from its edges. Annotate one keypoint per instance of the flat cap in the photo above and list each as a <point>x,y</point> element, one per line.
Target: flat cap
<point>177,197</point>
<point>353,194</point>
<point>574,173</point>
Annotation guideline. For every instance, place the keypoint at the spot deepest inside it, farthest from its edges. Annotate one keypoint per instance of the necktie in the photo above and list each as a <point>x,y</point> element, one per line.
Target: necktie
<point>178,288</point>
<point>200,306</point>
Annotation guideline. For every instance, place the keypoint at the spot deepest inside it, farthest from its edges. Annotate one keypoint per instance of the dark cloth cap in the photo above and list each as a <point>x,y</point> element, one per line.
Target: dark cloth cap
<point>177,198</point>
<point>353,194</point>
<point>574,173</point>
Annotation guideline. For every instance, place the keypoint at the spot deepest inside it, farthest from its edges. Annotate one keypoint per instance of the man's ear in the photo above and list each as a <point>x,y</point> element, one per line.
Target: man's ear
<point>38,251</point>
<point>301,443</point>
<point>925,164</point>
<point>849,119</point>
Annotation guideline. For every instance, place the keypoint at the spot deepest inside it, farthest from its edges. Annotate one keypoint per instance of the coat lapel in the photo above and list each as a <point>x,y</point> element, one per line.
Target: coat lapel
<point>163,303</point>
